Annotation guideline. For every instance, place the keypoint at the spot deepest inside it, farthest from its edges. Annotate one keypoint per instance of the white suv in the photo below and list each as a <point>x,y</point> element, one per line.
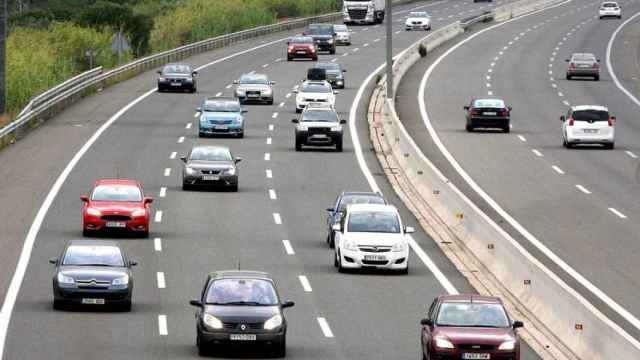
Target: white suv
<point>610,9</point>
<point>371,236</point>
<point>314,91</point>
<point>588,124</point>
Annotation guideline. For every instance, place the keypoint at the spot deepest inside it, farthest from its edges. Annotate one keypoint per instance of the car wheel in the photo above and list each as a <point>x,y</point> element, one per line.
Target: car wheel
<point>564,143</point>
<point>506,129</point>
<point>270,102</point>
<point>568,77</point>
<point>335,259</point>
<point>144,234</point>
<point>469,127</point>
<point>405,271</point>
<point>315,58</point>
<point>86,233</point>
<point>160,89</point>
<point>58,304</point>
<point>298,145</point>
<point>619,17</point>
<point>298,111</point>
<point>610,146</point>
<point>185,186</point>
<point>332,52</point>
<point>126,306</point>
<point>234,188</point>
<point>349,43</point>
<point>332,240</point>
<point>240,135</point>
<point>289,58</point>
<point>569,145</point>
<point>341,269</point>
<point>339,145</point>
<point>596,78</point>
<point>193,90</point>
<point>280,349</point>
<point>202,347</point>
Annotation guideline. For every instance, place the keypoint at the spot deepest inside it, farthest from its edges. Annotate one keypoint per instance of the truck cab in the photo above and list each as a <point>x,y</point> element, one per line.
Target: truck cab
<point>363,11</point>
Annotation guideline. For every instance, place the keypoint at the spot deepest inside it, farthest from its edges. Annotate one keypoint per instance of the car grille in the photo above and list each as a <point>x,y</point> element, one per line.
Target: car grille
<point>315,100</point>
<point>220,122</point>
<point>92,284</point>
<point>416,23</point>
<point>250,326</point>
<point>211,172</point>
<point>319,130</point>
<point>375,249</point>
<point>332,76</point>
<point>374,262</point>
<point>116,217</point>
<point>475,347</point>
<point>255,93</point>
<point>175,80</point>
<point>357,13</point>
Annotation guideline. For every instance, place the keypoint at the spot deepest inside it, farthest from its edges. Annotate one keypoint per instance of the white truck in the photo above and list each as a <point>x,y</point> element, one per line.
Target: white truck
<point>363,11</point>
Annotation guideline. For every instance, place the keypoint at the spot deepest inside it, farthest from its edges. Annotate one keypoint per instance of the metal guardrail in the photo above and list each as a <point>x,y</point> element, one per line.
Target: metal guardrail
<point>472,20</point>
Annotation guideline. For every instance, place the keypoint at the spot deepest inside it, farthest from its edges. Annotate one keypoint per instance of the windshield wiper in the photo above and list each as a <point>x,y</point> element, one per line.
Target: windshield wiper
<point>244,303</point>
<point>95,265</point>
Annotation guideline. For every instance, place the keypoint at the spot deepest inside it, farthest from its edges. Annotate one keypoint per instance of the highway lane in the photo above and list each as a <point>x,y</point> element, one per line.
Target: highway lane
<point>578,203</point>
<point>202,231</point>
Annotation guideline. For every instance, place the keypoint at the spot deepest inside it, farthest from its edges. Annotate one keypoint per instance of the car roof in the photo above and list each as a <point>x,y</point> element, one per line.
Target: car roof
<point>240,274</point>
<point>221,98</point>
<point>117,182</point>
<point>316,82</point>
<point>583,54</point>
<point>210,147</point>
<point>91,242</point>
<point>371,207</point>
<point>367,193</point>
<point>589,107</point>
<point>469,298</point>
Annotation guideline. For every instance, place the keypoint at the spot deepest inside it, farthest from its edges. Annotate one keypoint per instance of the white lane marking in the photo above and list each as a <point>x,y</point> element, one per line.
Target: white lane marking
<point>196,114</point>
<point>488,85</point>
<point>345,54</point>
<point>560,94</point>
<point>267,157</point>
<point>229,86</point>
<point>161,281</point>
<point>334,59</point>
<point>269,141</point>
<point>252,72</point>
<point>376,40</point>
<point>488,77</point>
<point>272,194</point>
<point>530,237</point>
<point>281,104</point>
<point>566,103</point>
<point>279,59</point>
<point>550,72</point>
<point>173,155</point>
<point>287,247</point>
<point>631,154</point>
<point>324,326</point>
<point>158,217</point>
<point>583,189</point>
<point>219,94</point>
<point>522,138</point>
<point>181,139</point>
<point>269,173</point>
<point>288,95</point>
<point>553,85</point>
<point>167,171</point>
<point>265,65</point>
<point>271,127</point>
<point>535,151</point>
<point>305,283</point>
<point>365,45</point>
<point>490,70</point>
<point>163,192</point>
<point>492,64</point>
<point>275,115</point>
<point>618,213</point>
<point>490,93</point>
<point>157,244</point>
<point>356,50</point>
<point>277,219</point>
<point>557,169</point>
<point>162,325</point>
<point>188,126</point>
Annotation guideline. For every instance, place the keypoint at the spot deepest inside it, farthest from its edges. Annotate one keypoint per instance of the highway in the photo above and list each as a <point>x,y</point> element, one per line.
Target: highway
<point>274,223</point>
<point>580,203</point>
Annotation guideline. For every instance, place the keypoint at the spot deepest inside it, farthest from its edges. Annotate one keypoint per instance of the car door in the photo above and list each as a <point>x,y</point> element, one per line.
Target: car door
<point>427,330</point>
<point>331,214</point>
<point>340,234</point>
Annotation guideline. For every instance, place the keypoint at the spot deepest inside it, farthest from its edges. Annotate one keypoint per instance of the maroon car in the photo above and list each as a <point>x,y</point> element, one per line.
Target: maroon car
<point>302,47</point>
<point>469,327</point>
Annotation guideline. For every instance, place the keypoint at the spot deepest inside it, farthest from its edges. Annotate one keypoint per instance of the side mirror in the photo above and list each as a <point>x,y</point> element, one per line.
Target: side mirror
<point>330,209</point>
<point>84,198</point>
<point>272,82</point>
<point>343,121</point>
<point>518,324</point>
<point>235,81</point>
<point>466,108</point>
<point>409,230</point>
<point>426,322</point>
<point>197,303</point>
<point>199,109</point>
<point>238,159</point>
<point>244,111</point>
<point>183,158</point>
<point>344,70</point>
<point>598,60</point>
<point>159,72</point>
<point>510,108</point>
<point>566,60</point>
<point>336,92</point>
<point>53,261</point>
<point>562,118</point>
<point>133,263</point>
<point>336,227</point>
<point>613,118</point>
<point>288,304</point>
<point>148,200</point>
<point>195,73</point>
<point>295,121</point>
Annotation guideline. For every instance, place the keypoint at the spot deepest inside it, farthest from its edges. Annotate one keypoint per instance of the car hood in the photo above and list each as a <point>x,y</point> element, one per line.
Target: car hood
<point>316,95</point>
<point>253,87</point>
<point>319,124</point>
<point>220,116</point>
<point>342,33</point>
<point>479,336</point>
<point>425,20</point>
<point>176,76</point>
<point>249,314</point>
<point>321,37</point>
<point>98,273</point>
<point>116,206</point>
<point>375,239</point>
<point>210,165</point>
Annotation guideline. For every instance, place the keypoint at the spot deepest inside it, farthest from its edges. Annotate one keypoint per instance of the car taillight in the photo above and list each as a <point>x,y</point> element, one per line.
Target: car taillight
<point>474,112</point>
<point>570,121</point>
<point>611,121</point>
<point>572,65</point>
<point>503,112</point>
<point>596,65</point>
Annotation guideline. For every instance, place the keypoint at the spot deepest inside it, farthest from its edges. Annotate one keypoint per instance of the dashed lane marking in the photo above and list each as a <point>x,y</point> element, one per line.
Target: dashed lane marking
<point>269,173</point>
<point>163,192</point>
<point>272,194</point>
<point>538,153</point>
<point>157,244</point>
<point>161,281</point>
<point>557,169</point>
<point>277,219</point>
<point>305,283</point>
<point>324,326</point>
<point>287,247</point>
<point>583,189</point>
<point>267,156</point>
<point>158,216</point>
<point>167,171</point>
<point>162,325</point>
<point>618,213</point>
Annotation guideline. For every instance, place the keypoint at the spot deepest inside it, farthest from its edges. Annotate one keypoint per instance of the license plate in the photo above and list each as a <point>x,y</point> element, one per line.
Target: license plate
<point>116,224</point>
<point>242,337</point>
<point>375,257</point>
<point>93,301</point>
<point>584,66</point>
<point>490,113</point>
<point>175,84</point>
<point>253,95</point>
<point>470,356</point>
<point>210,177</point>
<point>590,131</point>
<point>221,127</point>
<point>301,52</point>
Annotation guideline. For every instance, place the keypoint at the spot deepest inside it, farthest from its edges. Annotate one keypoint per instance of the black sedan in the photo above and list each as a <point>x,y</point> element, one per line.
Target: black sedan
<point>336,211</point>
<point>93,272</point>
<point>210,166</point>
<point>488,113</point>
<point>174,77</point>
<point>334,74</point>
<point>240,307</point>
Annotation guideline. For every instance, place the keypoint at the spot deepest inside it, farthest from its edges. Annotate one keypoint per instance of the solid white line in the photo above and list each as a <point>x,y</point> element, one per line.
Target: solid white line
<point>324,326</point>
<point>287,247</point>
<point>173,155</point>
<point>522,138</point>
<point>158,217</point>
<point>181,139</point>
<point>272,194</point>
<point>167,171</point>
<point>269,141</point>
<point>583,189</point>
<point>618,213</point>
<point>163,192</point>
<point>557,169</point>
<point>219,94</point>
<point>269,173</point>
<point>188,126</point>
<point>275,115</point>
<point>162,325</point>
<point>157,244</point>
<point>277,219</point>
<point>267,156</point>
<point>305,283</point>
<point>631,154</point>
<point>271,127</point>
<point>538,153</point>
<point>161,281</point>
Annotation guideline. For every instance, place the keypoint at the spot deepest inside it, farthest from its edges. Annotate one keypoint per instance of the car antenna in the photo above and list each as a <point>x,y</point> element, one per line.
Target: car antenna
<point>238,264</point>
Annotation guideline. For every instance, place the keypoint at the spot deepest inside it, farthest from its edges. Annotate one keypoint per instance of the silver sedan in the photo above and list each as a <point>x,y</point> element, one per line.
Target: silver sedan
<point>210,166</point>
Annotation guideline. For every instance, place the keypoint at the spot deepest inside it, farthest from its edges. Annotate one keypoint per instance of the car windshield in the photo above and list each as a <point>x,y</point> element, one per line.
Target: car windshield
<point>242,292</point>
<point>327,66</point>
<point>301,40</point>
<point>116,193</point>
<point>316,88</point>
<point>93,255</point>
<point>418,14</point>
<point>222,106</point>
<point>583,57</point>
<point>374,221</point>
<point>611,5</point>
<point>320,29</point>
<point>211,154</point>
<point>177,69</point>
<point>320,115</point>
<point>472,315</point>
<point>340,28</point>
<point>488,103</point>
<point>359,199</point>
<point>590,115</point>
<point>257,79</point>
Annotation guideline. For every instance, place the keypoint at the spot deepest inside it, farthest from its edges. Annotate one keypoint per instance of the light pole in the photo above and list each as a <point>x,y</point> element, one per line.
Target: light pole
<point>3,57</point>
<point>389,20</point>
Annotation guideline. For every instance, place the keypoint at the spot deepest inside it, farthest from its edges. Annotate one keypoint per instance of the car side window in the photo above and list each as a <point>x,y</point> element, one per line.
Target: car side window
<point>204,288</point>
<point>432,308</point>
<point>343,219</point>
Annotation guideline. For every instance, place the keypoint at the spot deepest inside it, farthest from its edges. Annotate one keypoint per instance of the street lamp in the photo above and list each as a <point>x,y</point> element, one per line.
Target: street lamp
<point>389,45</point>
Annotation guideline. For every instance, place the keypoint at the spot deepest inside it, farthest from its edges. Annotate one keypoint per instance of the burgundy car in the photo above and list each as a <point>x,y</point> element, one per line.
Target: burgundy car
<point>469,327</point>
<point>302,47</point>
<point>488,113</point>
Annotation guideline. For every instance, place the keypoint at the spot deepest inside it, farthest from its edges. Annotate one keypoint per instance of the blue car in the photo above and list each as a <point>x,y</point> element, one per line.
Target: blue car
<point>221,116</point>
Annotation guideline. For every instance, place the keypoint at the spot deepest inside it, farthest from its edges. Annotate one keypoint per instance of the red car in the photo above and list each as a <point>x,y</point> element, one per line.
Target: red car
<point>302,47</point>
<point>469,327</point>
<point>116,205</point>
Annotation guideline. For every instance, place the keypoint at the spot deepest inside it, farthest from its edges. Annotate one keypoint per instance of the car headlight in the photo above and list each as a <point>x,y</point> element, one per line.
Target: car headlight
<point>230,171</point>
<point>190,171</point>
<point>124,280</point>
<point>240,92</point>
<point>94,212</point>
<point>330,41</point>
<point>139,212</point>
<point>350,245</point>
<point>212,321</point>
<point>442,343</point>
<point>507,345</point>
<point>268,91</point>
<point>399,247</point>
<point>299,99</point>
<point>161,79</point>
<point>274,322</point>
<point>63,279</point>
<point>302,127</point>
<point>336,128</point>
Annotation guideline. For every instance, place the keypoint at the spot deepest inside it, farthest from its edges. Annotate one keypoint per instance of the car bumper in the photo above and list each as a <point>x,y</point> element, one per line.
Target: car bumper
<point>325,46</point>
<point>417,27</point>
<point>304,55</point>
<point>76,295</point>
<point>343,40</point>
<point>457,355</point>
<point>394,260</point>
<point>489,122</point>
<point>583,72</point>
<point>222,180</point>
<point>610,14</point>
<point>319,139</point>
<point>259,98</point>
<point>576,138</point>
<point>140,224</point>
<point>223,337</point>
<point>229,130</point>
<point>181,86</point>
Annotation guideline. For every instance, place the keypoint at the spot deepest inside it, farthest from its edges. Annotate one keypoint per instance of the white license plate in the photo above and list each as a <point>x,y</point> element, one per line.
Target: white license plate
<point>584,66</point>
<point>375,257</point>
<point>590,131</point>
<point>210,177</point>
<point>116,224</point>
<point>301,52</point>
<point>470,356</point>
<point>175,84</point>
<point>253,95</point>
<point>221,127</point>
<point>242,337</point>
<point>491,113</point>
<point>93,301</point>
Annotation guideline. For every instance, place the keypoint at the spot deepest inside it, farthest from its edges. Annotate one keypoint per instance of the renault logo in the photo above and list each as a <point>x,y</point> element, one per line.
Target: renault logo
<point>243,327</point>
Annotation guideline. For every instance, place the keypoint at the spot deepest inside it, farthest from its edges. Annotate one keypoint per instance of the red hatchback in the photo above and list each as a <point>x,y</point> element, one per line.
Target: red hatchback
<point>469,327</point>
<point>116,205</point>
<point>302,47</point>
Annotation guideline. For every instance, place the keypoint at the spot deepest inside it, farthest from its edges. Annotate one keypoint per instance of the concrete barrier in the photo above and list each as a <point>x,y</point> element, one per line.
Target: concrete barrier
<point>570,318</point>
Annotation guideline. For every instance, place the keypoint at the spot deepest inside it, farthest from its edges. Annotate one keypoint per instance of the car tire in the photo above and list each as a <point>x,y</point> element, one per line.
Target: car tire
<point>280,349</point>
<point>144,234</point>
<point>185,186</point>
<point>564,143</point>
<point>349,43</point>
<point>298,145</point>
<point>331,239</point>
<point>568,77</point>
<point>596,78</point>
<point>86,233</point>
<point>126,306</point>
<point>58,304</point>
<point>619,17</point>
<point>405,271</point>
<point>298,111</point>
<point>241,135</point>
<point>610,146</point>
<point>332,52</point>
<point>203,349</point>
<point>193,90</point>
<point>469,128</point>
<point>234,188</point>
<point>160,89</point>
<point>506,129</point>
<point>270,102</point>
<point>314,59</point>
<point>339,145</point>
<point>569,145</point>
<point>289,58</point>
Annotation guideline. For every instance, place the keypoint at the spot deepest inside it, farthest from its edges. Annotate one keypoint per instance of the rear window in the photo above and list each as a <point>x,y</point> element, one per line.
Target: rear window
<point>488,103</point>
<point>320,29</point>
<point>590,115</point>
<point>584,57</point>
<point>301,40</point>
<point>610,5</point>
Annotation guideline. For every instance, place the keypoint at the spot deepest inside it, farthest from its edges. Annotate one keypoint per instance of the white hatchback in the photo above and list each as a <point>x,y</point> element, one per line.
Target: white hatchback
<point>314,91</point>
<point>371,236</point>
<point>588,124</point>
<point>610,9</point>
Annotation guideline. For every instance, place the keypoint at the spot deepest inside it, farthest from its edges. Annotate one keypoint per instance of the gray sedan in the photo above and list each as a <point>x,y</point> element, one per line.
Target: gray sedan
<point>210,166</point>
<point>254,88</point>
<point>583,64</point>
